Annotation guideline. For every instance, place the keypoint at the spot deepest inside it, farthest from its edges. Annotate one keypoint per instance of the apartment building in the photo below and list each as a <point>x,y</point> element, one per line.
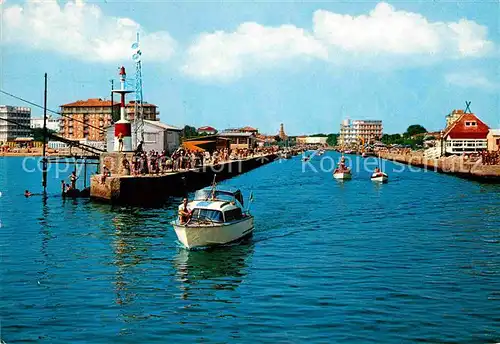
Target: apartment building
<point>11,131</point>
<point>354,131</point>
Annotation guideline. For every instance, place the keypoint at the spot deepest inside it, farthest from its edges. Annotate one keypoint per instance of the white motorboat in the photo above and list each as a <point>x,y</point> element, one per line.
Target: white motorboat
<point>216,217</point>
<point>342,171</point>
<point>380,177</point>
<point>342,174</point>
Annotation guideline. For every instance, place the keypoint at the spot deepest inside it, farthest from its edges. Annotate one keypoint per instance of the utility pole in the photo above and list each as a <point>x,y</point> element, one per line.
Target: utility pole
<point>44,159</point>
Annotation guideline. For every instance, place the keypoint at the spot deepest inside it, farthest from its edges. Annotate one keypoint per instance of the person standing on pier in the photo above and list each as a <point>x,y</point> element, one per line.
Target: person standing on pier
<point>126,166</point>
<point>120,142</point>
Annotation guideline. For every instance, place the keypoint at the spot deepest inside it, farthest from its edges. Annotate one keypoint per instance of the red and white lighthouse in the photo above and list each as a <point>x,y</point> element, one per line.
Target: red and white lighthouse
<point>123,128</point>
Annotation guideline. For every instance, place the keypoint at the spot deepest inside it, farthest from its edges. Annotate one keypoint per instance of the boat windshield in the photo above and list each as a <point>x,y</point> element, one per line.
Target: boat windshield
<point>203,195</point>
<point>213,215</point>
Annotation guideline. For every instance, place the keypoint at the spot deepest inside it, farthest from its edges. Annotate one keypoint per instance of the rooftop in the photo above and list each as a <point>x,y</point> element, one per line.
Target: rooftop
<point>206,128</point>
<point>247,128</point>
<point>144,104</point>
<point>90,102</point>
<point>460,130</point>
<point>232,134</point>
<point>162,125</point>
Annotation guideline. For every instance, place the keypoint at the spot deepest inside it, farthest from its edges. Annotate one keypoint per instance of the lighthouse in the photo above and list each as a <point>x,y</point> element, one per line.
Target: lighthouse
<point>123,128</point>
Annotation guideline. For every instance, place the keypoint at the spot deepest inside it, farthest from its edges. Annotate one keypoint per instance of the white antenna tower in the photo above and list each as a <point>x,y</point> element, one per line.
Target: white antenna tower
<point>138,109</point>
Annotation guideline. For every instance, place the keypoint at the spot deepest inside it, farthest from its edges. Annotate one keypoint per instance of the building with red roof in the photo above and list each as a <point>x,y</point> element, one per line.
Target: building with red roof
<point>87,119</point>
<point>465,133</point>
<point>207,130</point>
<point>248,129</point>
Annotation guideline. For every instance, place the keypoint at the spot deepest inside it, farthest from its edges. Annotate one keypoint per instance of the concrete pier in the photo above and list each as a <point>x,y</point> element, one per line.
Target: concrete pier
<point>455,165</point>
<point>155,189</point>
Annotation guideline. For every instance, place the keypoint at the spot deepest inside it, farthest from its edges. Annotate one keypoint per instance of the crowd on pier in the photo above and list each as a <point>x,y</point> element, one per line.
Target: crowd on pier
<point>154,162</point>
<point>490,157</point>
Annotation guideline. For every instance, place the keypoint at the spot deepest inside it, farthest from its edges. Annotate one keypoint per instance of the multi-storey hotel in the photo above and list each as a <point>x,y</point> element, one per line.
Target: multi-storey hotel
<point>87,119</point>
<point>10,131</point>
<point>352,132</point>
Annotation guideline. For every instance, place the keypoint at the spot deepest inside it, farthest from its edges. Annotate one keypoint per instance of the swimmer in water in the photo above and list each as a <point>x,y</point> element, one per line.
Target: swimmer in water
<point>27,193</point>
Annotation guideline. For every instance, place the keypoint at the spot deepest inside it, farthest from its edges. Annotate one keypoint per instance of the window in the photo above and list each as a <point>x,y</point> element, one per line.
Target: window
<point>149,137</point>
<point>233,215</point>
<point>498,142</point>
<point>214,215</point>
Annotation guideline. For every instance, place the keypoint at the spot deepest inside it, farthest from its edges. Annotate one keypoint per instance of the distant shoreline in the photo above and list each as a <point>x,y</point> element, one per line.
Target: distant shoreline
<point>25,154</point>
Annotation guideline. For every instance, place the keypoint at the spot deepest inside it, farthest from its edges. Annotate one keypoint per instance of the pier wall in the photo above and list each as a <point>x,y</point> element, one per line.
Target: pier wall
<point>455,165</point>
<point>155,189</point>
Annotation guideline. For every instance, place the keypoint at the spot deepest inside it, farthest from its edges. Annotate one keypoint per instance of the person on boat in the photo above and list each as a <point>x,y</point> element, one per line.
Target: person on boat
<point>63,187</point>
<point>73,179</point>
<point>27,193</point>
<point>184,212</point>
<point>377,170</point>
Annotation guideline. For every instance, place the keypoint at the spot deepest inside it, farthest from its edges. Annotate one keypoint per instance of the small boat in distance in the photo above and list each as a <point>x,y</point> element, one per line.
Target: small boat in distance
<point>379,176</point>
<point>342,171</point>
<point>215,217</point>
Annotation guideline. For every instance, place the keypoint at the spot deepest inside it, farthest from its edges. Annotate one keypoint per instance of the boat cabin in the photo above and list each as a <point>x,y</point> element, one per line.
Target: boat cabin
<point>219,205</point>
<point>226,213</point>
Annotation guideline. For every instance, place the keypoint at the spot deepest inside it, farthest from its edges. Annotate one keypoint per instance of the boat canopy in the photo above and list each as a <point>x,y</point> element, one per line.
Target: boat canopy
<point>221,193</point>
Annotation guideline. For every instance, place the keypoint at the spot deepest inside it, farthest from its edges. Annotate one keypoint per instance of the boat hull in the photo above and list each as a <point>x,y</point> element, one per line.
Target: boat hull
<point>342,175</point>
<point>192,236</point>
<point>380,178</point>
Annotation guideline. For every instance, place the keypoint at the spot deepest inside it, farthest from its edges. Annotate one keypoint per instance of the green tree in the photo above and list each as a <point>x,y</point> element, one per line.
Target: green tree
<point>415,129</point>
<point>332,139</point>
<point>390,139</point>
<point>189,132</point>
<point>277,138</point>
<point>38,133</point>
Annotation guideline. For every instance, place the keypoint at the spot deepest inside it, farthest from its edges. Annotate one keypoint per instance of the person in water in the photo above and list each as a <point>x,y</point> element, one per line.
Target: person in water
<point>27,193</point>
<point>184,212</point>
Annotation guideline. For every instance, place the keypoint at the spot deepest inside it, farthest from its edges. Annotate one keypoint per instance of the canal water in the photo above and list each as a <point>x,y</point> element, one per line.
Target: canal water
<point>417,259</point>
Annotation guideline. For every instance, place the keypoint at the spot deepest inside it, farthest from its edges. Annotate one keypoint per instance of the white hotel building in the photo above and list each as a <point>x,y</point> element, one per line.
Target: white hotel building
<point>351,132</point>
<point>11,131</point>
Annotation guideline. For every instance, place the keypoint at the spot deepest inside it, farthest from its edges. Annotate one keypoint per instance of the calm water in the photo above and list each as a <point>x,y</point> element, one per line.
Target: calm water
<point>417,259</point>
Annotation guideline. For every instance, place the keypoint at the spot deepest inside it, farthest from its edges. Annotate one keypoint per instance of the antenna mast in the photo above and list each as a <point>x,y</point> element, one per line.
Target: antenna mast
<point>138,108</point>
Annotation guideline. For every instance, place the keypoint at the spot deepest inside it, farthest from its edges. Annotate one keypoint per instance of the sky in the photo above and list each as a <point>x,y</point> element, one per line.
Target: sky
<point>306,64</point>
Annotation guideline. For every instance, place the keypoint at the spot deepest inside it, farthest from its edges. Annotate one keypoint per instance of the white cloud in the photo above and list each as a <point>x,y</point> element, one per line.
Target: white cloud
<point>226,55</point>
<point>80,30</point>
<point>383,38</point>
<point>471,79</point>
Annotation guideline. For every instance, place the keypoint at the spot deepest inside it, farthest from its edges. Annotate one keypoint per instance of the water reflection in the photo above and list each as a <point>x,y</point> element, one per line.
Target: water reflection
<point>223,268</point>
<point>131,246</point>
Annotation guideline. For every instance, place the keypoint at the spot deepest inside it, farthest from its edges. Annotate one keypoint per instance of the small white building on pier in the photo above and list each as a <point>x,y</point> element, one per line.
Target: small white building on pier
<point>158,136</point>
